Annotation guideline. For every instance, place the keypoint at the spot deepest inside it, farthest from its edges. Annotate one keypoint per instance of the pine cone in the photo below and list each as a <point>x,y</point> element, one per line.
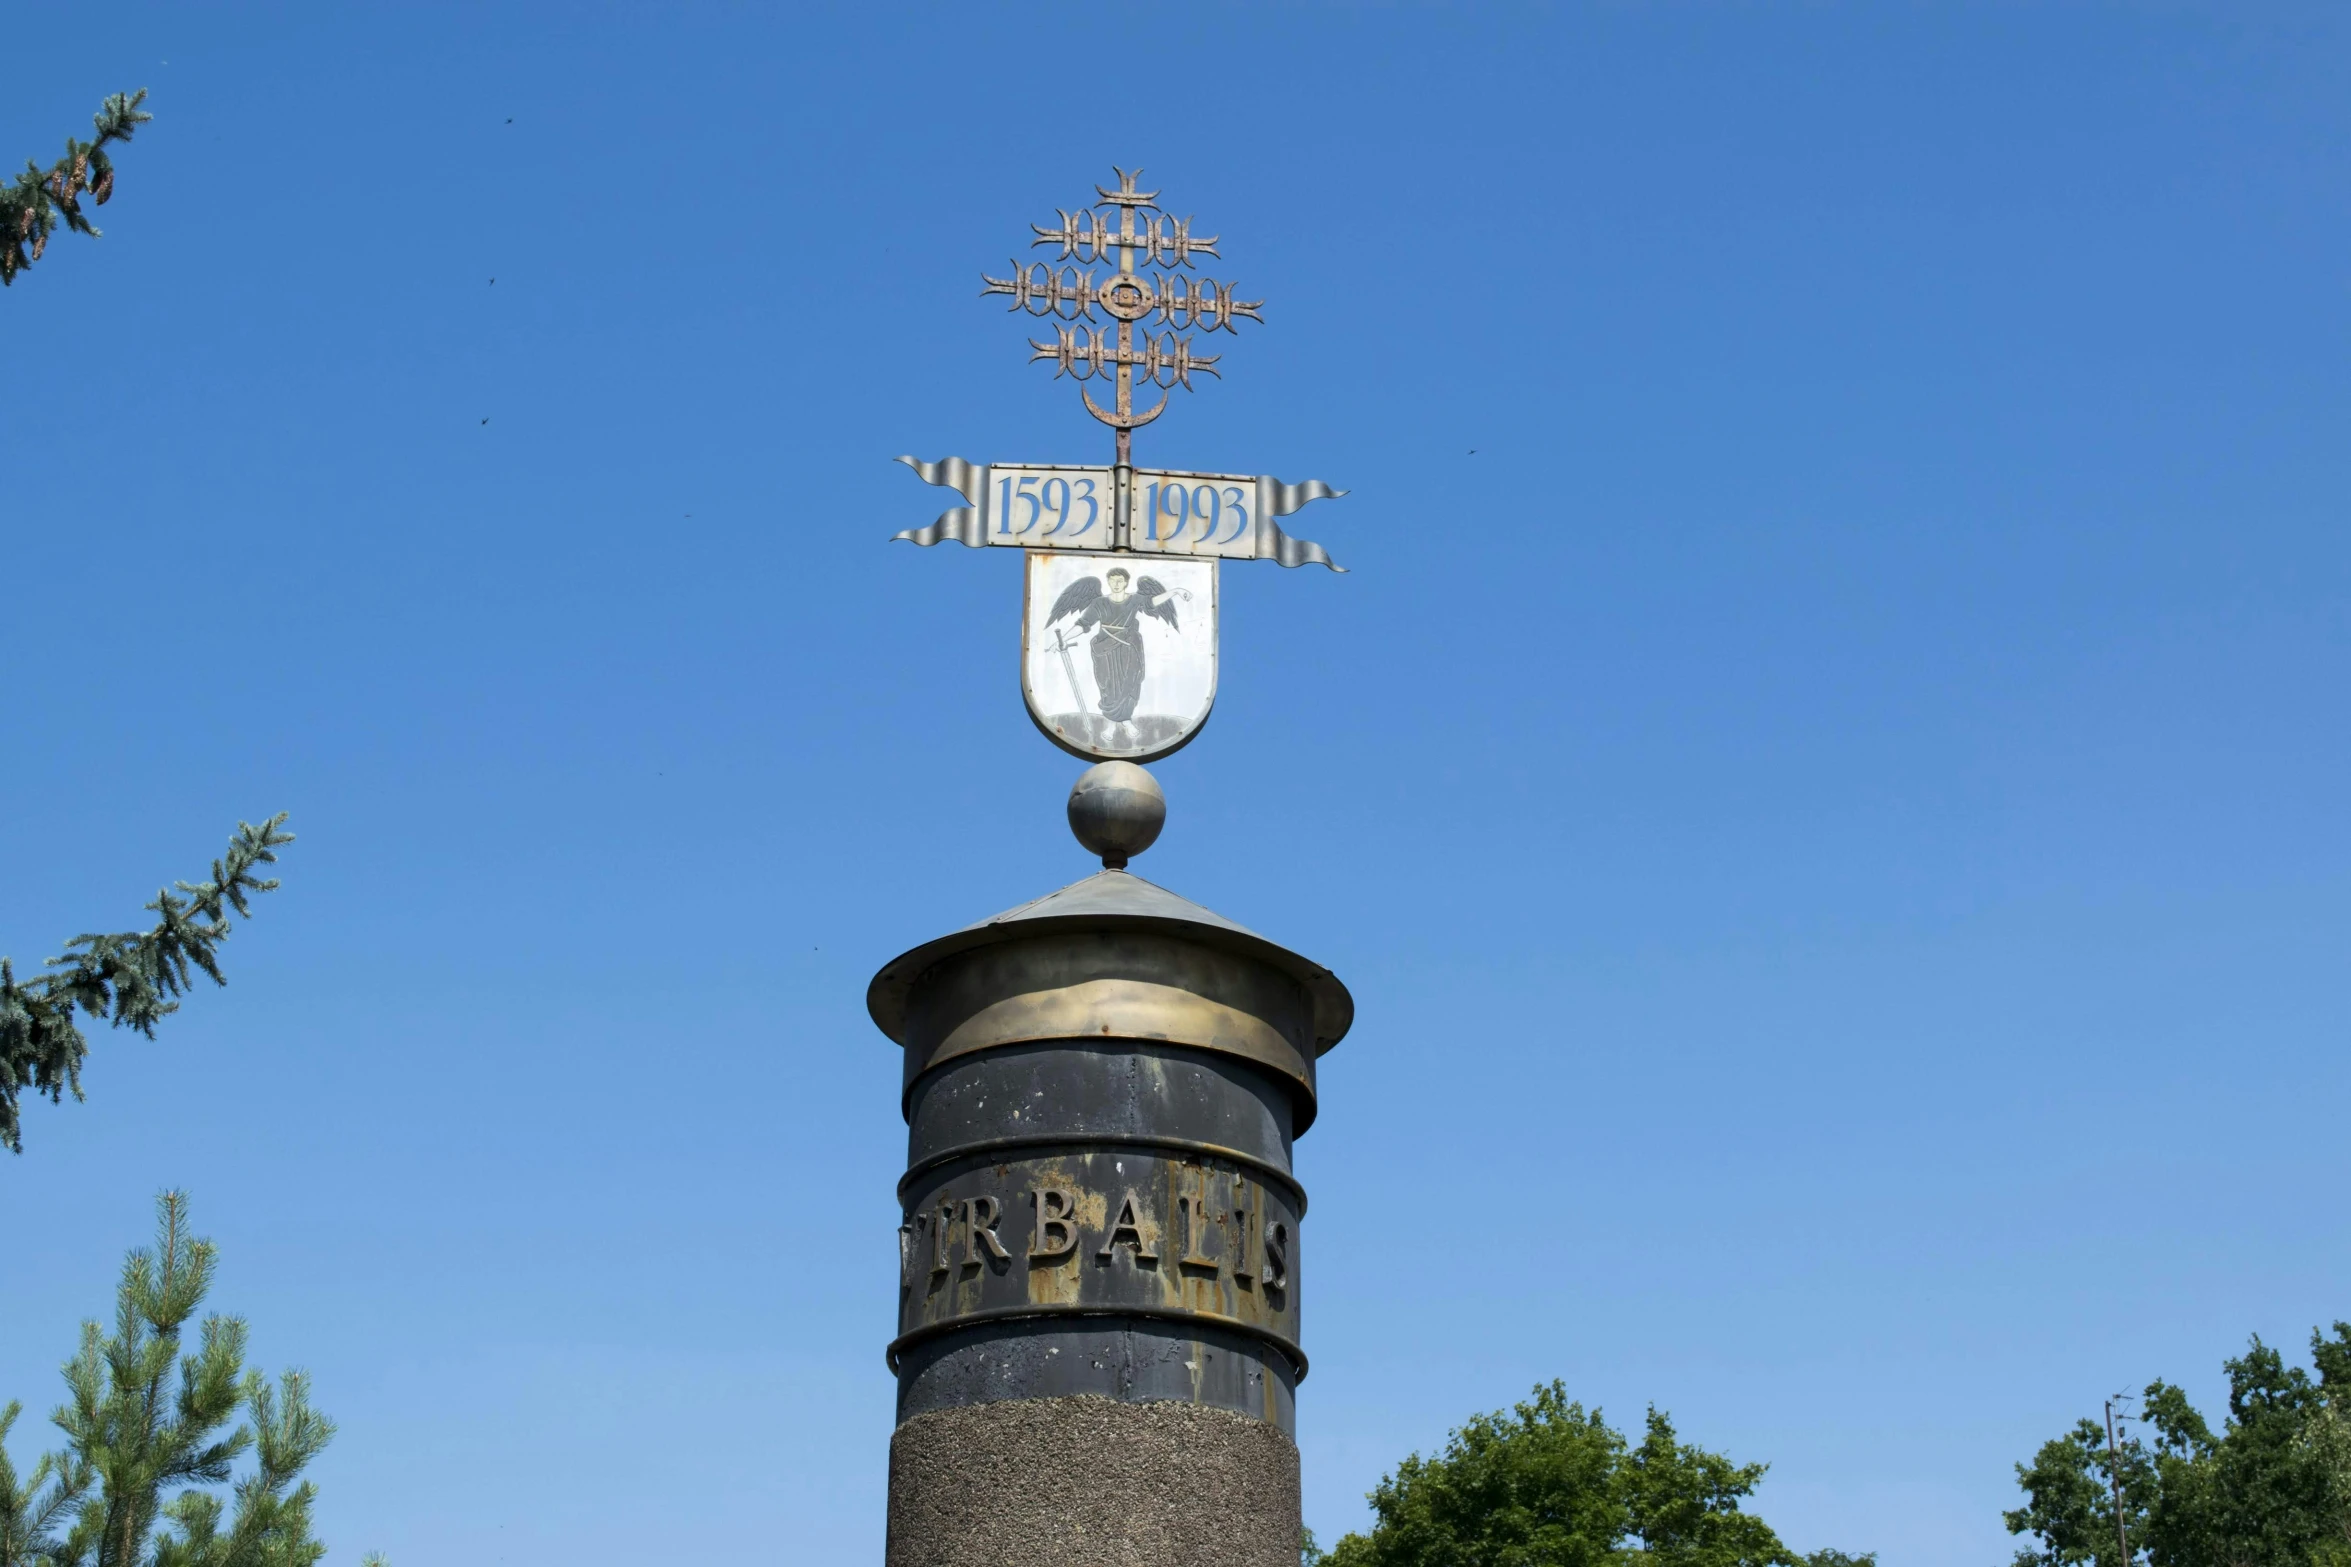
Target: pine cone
<point>104,189</point>
<point>40,243</point>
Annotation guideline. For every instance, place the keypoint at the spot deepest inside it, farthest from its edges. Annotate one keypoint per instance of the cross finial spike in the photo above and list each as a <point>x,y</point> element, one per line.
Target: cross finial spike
<point>1126,195</point>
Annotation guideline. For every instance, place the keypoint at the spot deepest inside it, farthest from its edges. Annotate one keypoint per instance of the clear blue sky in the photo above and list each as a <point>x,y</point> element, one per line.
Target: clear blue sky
<point>1833,815</point>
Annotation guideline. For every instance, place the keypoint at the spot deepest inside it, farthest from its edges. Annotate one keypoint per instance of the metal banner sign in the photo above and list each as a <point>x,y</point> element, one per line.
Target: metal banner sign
<point>1118,659</point>
<point>1229,515</point>
<point>1118,654</point>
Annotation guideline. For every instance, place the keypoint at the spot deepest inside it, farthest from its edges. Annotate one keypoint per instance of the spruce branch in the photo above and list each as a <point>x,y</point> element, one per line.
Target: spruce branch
<point>132,978</point>
<point>30,208</point>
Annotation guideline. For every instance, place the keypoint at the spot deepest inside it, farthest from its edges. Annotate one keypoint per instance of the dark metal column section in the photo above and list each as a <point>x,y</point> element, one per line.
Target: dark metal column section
<point>1101,1089</point>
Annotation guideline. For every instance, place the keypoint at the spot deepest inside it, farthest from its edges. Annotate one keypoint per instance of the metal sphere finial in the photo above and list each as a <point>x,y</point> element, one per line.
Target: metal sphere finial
<point>1116,809</point>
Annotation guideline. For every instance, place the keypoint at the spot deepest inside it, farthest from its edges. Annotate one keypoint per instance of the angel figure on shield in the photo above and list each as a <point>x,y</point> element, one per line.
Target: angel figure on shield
<point>1109,608</point>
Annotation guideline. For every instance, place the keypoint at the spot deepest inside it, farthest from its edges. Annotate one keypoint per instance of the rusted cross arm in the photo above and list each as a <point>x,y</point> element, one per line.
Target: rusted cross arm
<point>1183,301</point>
<point>1125,232</point>
<point>1072,295</point>
<point>1165,360</point>
<point>1159,241</point>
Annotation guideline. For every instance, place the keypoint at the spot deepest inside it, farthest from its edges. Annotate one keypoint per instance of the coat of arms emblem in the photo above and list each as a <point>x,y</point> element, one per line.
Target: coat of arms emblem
<point>1118,655</point>
<point>1118,628</point>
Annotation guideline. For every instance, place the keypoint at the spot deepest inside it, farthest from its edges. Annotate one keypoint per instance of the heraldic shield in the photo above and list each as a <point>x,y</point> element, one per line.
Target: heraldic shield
<point>1118,652</point>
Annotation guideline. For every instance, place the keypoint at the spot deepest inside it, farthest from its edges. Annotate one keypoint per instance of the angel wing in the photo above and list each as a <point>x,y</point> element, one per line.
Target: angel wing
<point>1151,593</point>
<point>1076,599</point>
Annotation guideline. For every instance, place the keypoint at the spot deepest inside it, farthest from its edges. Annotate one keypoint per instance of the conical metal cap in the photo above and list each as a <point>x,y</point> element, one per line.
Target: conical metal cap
<point>1112,901</point>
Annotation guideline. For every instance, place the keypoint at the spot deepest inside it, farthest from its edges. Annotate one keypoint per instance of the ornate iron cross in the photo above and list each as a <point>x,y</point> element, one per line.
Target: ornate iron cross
<point>1121,510</point>
<point>1128,225</point>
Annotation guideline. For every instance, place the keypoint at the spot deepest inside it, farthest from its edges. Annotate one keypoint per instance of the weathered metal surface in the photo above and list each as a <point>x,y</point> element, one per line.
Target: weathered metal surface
<point>1097,511</point>
<point>1095,508</point>
<point>1138,985</point>
<point>1108,1093</point>
<point>1127,227</point>
<point>1113,901</point>
<point>1101,1092</point>
<point>1116,810</point>
<point>1109,1231</point>
<point>989,1119</point>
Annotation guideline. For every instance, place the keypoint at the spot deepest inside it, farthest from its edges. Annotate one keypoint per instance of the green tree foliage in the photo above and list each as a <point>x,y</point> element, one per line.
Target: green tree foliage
<point>133,978</point>
<point>31,1512</point>
<point>134,1430</point>
<point>30,208</point>
<point>1550,1485</point>
<point>2271,1488</point>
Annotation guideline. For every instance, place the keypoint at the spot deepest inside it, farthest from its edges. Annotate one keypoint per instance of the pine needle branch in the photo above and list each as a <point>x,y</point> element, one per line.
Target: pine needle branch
<point>132,978</point>
<point>31,207</point>
<point>31,1511</point>
<point>131,1438</point>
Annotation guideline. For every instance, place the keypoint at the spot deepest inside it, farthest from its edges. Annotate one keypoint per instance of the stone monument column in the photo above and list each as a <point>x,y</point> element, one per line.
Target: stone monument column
<point>1098,1347</point>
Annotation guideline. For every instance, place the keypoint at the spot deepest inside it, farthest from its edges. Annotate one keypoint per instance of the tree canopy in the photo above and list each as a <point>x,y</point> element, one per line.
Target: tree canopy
<point>2270,1488</point>
<point>132,1435</point>
<point>1550,1484</point>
